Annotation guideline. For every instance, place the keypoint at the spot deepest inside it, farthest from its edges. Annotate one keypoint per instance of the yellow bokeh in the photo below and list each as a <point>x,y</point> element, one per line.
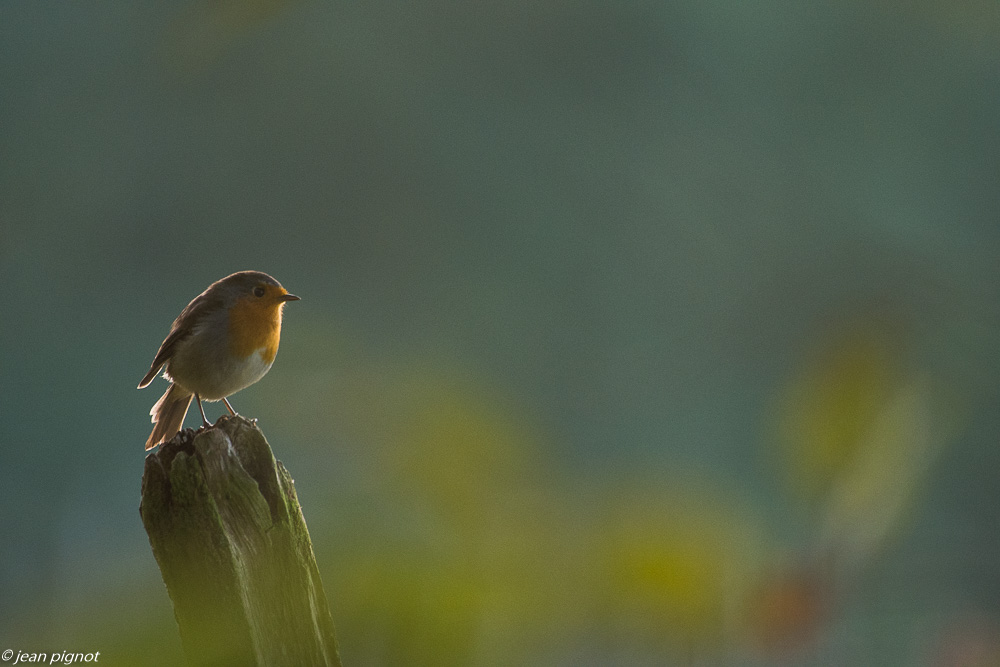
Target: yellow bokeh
<point>831,404</point>
<point>677,560</point>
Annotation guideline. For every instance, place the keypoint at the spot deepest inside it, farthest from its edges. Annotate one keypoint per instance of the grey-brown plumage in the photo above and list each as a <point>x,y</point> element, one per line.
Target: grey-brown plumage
<point>223,341</point>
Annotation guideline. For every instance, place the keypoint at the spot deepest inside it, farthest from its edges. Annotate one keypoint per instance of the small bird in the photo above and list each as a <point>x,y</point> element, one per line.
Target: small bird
<point>223,341</point>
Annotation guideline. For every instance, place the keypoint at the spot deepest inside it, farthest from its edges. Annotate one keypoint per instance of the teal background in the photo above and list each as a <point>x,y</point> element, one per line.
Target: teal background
<point>578,251</point>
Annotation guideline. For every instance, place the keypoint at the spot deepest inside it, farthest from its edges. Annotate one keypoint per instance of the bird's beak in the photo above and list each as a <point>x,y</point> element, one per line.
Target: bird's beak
<point>289,297</point>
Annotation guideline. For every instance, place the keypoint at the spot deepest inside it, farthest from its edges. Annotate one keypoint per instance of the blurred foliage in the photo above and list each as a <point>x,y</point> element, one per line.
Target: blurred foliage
<point>675,563</point>
<point>833,403</point>
<point>475,548</point>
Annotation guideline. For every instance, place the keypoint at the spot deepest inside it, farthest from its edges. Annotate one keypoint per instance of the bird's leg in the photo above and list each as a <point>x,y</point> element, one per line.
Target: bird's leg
<point>231,411</point>
<point>204,420</point>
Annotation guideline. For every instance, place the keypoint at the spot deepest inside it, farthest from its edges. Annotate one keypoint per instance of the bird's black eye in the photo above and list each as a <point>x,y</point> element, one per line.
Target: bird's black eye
<point>258,292</point>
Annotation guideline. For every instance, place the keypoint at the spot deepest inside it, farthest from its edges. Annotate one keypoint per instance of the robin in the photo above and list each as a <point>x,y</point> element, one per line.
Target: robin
<point>223,341</point>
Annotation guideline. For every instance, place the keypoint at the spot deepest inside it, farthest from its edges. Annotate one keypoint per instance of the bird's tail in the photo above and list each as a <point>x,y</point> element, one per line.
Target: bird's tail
<point>168,414</point>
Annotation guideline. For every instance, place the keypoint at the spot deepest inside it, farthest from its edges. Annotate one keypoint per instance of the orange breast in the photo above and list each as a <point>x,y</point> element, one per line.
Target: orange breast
<point>254,325</point>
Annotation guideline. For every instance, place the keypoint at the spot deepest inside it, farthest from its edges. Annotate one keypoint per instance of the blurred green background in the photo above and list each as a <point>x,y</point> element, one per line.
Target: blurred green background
<point>632,333</point>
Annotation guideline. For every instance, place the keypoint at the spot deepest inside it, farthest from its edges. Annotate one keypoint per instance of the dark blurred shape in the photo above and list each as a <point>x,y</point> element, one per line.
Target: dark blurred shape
<point>206,31</point>
<point>968,640</point>
<point>786,611</point>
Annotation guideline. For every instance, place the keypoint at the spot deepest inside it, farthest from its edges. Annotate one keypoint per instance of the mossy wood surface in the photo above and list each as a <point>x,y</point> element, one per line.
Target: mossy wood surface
<point>228,534</point>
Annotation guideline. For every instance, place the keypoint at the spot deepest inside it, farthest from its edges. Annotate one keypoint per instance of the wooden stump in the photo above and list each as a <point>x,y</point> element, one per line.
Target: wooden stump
<point>228,534</point>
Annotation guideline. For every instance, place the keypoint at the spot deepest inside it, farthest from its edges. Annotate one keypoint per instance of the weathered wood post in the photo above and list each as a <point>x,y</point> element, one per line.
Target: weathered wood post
<point>228,534</point>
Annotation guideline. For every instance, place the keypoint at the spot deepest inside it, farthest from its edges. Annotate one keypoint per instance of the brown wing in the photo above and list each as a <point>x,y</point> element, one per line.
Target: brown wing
<point>181,329</point>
